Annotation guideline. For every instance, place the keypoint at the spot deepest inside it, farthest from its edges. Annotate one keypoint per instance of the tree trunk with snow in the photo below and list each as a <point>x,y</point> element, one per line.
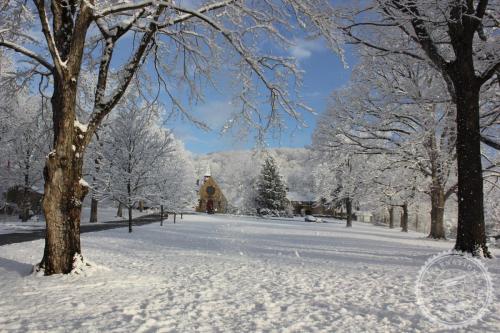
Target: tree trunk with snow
<point>64,192</point>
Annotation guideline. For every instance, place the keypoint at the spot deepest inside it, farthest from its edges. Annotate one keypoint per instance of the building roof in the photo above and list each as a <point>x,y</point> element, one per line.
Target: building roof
<point>303,197</point>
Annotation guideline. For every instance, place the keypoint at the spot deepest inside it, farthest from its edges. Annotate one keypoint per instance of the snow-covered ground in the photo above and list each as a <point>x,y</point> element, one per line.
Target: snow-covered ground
<point>230,274</point>
<point>10,224</point>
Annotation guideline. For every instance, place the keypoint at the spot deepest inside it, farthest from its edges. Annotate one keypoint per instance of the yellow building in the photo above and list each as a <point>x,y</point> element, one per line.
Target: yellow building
<point>211,200</point>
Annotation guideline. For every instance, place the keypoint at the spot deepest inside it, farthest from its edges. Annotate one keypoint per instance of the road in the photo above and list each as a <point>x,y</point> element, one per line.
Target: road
<point>19,237</point>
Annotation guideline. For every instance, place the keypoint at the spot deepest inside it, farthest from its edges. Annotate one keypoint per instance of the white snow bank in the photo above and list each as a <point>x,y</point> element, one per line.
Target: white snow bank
<point>218,274</point>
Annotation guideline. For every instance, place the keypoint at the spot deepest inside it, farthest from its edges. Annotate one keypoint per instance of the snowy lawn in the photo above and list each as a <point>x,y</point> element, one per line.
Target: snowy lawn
<point>11,224</point>
<point>230,274</point>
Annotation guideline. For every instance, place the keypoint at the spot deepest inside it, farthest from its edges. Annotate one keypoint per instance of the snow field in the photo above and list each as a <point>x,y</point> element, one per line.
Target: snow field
<point>229,274</point>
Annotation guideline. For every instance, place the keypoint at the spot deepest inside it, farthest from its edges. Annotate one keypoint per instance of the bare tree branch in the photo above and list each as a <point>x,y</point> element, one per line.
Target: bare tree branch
<point>27,53</point>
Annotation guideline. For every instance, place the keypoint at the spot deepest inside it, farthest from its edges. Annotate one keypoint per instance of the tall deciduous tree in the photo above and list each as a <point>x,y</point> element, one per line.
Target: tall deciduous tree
<point>340,176</point>
<point>457,38</point>
<point>180,42</point>
<point>134,155</point>
<point>401,109</point>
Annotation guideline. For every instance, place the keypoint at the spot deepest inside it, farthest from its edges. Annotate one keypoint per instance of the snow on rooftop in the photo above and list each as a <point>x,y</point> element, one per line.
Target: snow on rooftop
<point>303,197</point>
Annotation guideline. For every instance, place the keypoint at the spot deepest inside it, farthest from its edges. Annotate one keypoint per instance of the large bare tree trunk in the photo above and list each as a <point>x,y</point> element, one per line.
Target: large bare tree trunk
<point>64,190</point>
<point>471,235</point>
<point>348,206</point>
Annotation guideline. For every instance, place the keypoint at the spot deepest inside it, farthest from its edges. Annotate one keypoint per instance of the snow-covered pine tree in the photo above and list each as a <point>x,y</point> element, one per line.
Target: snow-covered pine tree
<point>271,193</point>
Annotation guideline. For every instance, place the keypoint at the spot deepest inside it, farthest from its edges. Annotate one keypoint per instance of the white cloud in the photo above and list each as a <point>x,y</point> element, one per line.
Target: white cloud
<point>304,48</point>
<point>214,113</point>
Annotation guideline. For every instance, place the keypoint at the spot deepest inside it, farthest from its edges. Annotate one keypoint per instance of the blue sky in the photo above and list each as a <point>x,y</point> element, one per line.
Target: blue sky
<point>324,72</point>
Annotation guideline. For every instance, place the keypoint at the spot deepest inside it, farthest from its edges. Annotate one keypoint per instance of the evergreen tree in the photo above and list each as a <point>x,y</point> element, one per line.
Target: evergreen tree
<point>271,193</point>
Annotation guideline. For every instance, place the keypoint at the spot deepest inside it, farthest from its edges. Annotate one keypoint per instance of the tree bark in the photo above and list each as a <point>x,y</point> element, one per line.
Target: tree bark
<point>471,234</point>
<point>130,219</point>
<point>416,219</point>
<point>348,205</point>
<point>93,210</point>
<point>161,215</point>
<point>391,217</point>
<point>94,202</point>
<point>437,212</point>
<point>404,218</point>
<point>175,216</point>
<point>141,205</point>
<point>63,191</point>
<point>119,212</point>
<point>26,204</point>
